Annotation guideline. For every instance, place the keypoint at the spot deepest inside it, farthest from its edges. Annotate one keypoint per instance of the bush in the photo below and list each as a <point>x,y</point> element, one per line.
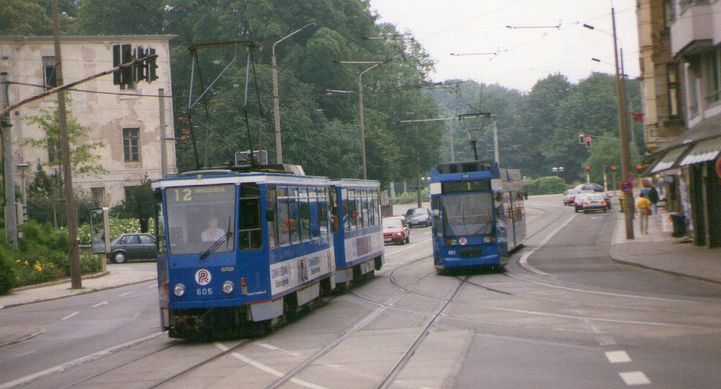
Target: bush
<point>412,197</point>
<point>118,226</point>
<point>545,185</point>
<point>8,279</point>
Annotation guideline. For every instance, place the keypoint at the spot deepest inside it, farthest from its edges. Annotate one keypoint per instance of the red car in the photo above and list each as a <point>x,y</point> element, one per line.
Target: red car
<point>395,231</point>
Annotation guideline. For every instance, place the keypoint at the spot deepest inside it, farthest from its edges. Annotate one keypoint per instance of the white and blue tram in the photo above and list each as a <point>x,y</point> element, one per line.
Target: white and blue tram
<point>478,214</point>
<point>240,250</point>
<point>357,229</point>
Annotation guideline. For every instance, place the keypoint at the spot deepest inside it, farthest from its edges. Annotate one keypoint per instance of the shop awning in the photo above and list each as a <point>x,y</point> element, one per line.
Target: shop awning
<point>669,160</point>
<point>705,150</point>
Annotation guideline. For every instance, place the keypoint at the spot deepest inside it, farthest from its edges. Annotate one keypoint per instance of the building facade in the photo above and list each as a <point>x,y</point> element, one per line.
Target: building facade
<point>683,39</point>
<point>125,119</point>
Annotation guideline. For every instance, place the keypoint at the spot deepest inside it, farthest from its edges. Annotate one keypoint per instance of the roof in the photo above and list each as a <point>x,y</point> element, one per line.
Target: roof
<point>85,38</point>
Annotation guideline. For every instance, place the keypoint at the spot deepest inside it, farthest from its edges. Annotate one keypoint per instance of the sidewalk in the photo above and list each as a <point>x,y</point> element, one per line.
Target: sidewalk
<point>117,275</point>
<point>660,251</point>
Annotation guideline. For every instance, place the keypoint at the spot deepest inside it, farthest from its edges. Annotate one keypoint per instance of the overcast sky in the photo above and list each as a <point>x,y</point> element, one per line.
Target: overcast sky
<point>524,55</point>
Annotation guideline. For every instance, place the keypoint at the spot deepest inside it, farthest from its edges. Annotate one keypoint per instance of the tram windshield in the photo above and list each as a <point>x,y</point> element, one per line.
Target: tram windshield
<point>200,217</point>
<point>467,214</point>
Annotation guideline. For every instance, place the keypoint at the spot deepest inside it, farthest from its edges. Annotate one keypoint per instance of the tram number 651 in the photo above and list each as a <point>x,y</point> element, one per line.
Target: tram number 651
<point>204,291</point>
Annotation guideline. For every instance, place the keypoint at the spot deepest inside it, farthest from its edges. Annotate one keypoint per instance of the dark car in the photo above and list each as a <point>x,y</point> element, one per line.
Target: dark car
<point>132,246</point>
<point>418,217</point>
<point>395,231</point>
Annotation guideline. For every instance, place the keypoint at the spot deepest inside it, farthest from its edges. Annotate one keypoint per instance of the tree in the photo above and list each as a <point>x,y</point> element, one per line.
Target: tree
<point>24,17</point>
<point>46,189</point>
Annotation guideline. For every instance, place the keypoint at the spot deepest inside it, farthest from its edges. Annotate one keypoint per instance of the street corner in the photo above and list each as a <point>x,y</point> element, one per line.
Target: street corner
<point>11,335</point>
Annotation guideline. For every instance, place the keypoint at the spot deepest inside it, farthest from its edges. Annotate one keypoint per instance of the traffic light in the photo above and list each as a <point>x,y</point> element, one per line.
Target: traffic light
<point>588,168</point>
<point>588,140</point>
<point>581,138</point>
<point>614,168</point>
<point>150,65</point>
<point>139,66</point>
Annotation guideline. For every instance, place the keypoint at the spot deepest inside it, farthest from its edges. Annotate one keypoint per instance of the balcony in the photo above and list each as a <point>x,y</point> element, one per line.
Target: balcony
<point>693,28</point>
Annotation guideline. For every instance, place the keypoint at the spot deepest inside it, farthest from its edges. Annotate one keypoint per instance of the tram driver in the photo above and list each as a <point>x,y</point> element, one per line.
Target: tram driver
<point>212,233</point>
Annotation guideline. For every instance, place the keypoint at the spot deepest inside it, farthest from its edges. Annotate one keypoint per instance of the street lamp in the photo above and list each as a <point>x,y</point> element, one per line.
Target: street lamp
<point>276,96</point>
<point>622,127</point>
<point>361,115</point>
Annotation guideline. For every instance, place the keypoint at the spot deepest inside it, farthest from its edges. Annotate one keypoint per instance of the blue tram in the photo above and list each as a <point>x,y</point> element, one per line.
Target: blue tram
<point>241,249</point>
<point>357,229</point>
<point>478,214</point>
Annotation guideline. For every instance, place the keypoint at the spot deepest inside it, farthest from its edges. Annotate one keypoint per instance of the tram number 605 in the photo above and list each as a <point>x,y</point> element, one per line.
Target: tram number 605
<point>204,291</point>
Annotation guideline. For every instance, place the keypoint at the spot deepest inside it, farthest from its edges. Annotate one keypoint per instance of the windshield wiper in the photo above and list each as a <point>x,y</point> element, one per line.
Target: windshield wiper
<point>216,245</point>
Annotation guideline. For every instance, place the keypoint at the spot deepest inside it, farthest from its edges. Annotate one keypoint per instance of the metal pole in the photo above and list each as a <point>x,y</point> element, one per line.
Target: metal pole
<point>72,215</point>
<point>496,152</point>
<point>163,138</point>
<point>453,148</point>
<point>276,110</point>
<point>623,134</point>
<point>11,228</point>
<point>361,119</point>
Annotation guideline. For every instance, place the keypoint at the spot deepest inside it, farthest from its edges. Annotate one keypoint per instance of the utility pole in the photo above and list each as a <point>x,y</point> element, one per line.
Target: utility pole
<point>163,139</point>
<point>71,209</point>
<point>11,227</point>
<point>623,134</point>
<point>496,151</point>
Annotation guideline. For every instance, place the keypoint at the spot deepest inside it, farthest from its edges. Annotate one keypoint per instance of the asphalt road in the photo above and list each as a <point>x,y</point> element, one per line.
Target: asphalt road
<point>564,315</point>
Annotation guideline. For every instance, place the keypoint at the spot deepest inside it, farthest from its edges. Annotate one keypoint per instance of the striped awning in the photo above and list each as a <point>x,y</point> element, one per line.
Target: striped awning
<point>706,150</point>
<point>669,160</point>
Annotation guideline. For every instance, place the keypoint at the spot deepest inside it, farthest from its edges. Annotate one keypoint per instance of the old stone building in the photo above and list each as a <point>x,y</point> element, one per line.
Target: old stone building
<point>124,118</point>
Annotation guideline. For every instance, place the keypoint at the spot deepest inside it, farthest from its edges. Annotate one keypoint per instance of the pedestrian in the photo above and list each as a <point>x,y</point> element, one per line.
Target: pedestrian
<point>643,205</point>
<point>653,198</point>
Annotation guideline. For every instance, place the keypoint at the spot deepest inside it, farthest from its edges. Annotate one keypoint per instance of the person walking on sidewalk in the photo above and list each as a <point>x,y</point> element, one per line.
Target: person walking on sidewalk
<point>643,205</point>
<point>653,198</point>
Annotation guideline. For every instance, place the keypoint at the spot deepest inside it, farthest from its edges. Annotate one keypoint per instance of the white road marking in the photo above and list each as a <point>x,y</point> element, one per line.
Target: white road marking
<point>77,362</point>
<point>266,345</point>
<point>100,304</point>
<point>606,341</point>
<point>618,356</point>
<point>125,294</point>
<point>152,286</point>
<point>26,353</point>
<point>632,378</point>
<point>70,315</point>
<point>271,347</point>
<point>524,258</point>
<point>267,368</point>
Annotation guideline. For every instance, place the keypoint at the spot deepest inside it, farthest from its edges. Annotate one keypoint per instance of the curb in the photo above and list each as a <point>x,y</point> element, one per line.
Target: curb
<point>665,271</point>
<point>59,281</point>
<point>36,332</point>
<point>82,291</point>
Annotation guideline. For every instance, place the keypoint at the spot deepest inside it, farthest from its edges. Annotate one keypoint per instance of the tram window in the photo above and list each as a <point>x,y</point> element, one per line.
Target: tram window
<point>283,220</point>
<point>365,209</point>
<point>323,212</point>
<point>270,217</point>
<point>436,206</point>
<point>292,221</point>
<point>159,223</point>
<point>467,214</point>
<point>333,198</point>
<point>353,212</point>
<point>249,230</point>
<point>347,212</point>
<point>314,206</point>
<point>304,213</point>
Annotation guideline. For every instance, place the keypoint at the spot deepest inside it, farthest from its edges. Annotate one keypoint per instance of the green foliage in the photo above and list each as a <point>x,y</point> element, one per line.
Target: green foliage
<point>412,197</point>
<point>118,226</point>
<point>24,17</point>
<point>545,185</point>
<point>8,278</point>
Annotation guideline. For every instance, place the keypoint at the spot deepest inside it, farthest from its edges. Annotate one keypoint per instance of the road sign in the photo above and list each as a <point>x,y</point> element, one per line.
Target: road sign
<point>626,185</point>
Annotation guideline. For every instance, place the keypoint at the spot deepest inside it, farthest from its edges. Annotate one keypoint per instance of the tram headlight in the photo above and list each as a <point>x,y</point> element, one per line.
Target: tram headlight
<point>228,287</point>
<point>489,239</point>
<point>179,290</point>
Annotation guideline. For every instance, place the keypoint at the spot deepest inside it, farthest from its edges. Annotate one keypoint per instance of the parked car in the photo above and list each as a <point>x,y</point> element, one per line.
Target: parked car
<point>395,231</point>
<point>132,246</point>
<point>569,196</point>
<point>418,217</point>
<point>594,202</point>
